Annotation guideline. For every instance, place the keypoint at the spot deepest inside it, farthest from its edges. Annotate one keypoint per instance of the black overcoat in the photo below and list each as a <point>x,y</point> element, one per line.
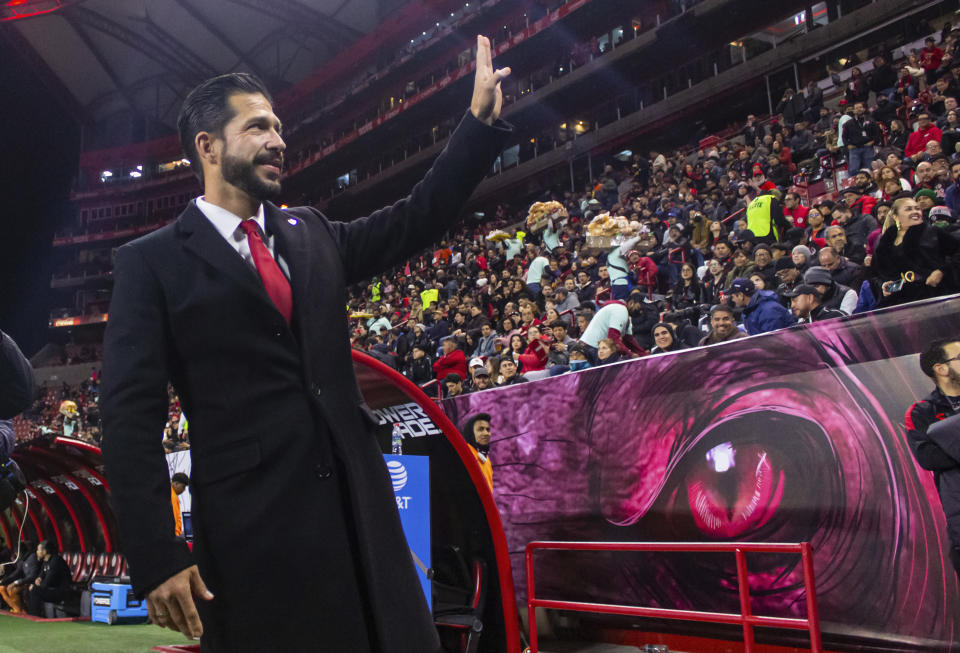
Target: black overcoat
<point>296,528</point>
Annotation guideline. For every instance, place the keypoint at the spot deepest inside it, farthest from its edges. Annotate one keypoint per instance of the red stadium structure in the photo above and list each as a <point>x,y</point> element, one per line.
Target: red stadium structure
<point>69,502</point>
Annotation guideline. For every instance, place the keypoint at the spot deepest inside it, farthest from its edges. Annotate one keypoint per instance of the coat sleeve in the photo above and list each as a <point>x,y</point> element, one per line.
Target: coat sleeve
<point>388,236</point>
<point>133,407</point>
<point>16,379</point>
<point>928,453</point>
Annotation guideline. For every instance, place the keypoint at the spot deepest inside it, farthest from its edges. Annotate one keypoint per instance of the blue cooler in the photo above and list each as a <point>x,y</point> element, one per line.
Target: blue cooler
<point>112,603</point>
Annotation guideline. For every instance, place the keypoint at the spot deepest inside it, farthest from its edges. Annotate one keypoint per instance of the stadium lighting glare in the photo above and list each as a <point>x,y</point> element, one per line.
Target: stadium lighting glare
<point>105,174</point>
<point>136,174</point>
<point>185,162</point>
<point>140,168</point>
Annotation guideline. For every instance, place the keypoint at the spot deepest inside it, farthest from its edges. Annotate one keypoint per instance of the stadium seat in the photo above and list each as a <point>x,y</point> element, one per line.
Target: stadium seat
<point>459,599</point>
<point>89,566</point>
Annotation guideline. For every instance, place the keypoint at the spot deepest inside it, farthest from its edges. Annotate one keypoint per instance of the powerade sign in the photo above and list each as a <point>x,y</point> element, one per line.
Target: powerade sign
<point>413,421</point>
<point>410,476</point>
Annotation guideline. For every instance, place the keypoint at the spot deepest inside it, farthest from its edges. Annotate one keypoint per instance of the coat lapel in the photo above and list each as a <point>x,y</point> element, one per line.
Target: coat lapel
<point>201,238</point>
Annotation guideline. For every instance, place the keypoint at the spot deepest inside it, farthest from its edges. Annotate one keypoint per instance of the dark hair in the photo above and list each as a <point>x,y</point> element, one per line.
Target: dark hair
<point>934,354</point>
<point>207,108</point>
<point>721,308</point>
<point>559,324</point>
<point>180,477</point>
<point>50,547</point>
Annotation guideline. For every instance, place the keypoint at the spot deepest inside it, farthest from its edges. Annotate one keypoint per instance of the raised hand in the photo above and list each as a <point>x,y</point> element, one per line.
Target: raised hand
<point>487,96</point>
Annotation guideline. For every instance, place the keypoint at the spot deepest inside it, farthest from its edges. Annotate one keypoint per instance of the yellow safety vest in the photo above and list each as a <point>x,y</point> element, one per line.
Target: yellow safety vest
<point>375,292</point>
<point>759,220</point>
<point>428,296</point>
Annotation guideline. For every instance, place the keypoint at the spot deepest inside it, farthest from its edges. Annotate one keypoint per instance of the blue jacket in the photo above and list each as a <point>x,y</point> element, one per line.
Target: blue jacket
<point>765,313</point>
<point>952,200</point>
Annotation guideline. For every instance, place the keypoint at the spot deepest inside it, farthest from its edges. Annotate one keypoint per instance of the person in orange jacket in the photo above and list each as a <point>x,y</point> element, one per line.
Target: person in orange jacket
<point>476,431</point>
<point>178,483</point>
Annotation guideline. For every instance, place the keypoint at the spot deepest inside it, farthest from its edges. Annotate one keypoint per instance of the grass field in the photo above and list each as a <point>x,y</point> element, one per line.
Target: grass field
<point>22,636</point>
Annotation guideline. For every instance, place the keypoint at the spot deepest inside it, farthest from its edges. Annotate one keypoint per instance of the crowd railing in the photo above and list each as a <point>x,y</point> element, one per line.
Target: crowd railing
<point>746,619</point>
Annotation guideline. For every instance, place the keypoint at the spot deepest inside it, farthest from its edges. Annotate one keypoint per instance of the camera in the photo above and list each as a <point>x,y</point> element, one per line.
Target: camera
<point>12,483</point>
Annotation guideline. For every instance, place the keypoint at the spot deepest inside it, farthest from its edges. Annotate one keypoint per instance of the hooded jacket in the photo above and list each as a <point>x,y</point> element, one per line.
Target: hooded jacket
<point>677,343</point>
<point>481,453</point>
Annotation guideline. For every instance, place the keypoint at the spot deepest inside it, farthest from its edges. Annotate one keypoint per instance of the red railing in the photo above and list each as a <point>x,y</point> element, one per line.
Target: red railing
<point>746,618</point>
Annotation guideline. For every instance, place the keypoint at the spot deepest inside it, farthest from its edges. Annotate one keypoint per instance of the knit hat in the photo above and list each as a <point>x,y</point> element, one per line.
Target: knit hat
<point>802,249</point>
<point>818,274</point>
<point>925,192</point>
<point>784,263</point>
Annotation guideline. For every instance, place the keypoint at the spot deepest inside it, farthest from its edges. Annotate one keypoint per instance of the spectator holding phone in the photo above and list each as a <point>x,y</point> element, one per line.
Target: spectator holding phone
<point>913,259</point>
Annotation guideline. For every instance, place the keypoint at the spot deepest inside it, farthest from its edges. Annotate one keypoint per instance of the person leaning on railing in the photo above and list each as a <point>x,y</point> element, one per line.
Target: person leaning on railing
<point>914,260</point>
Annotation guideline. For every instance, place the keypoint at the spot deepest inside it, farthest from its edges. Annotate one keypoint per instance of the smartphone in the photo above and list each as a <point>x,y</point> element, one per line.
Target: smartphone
<point>896,286</point>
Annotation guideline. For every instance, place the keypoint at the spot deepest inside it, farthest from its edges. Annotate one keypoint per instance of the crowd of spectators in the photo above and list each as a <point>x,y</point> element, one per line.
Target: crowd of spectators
<point>724,241</point>
<point>73,411</point>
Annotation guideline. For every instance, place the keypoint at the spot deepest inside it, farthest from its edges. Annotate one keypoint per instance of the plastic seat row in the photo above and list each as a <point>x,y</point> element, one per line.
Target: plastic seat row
<point>85,567</point>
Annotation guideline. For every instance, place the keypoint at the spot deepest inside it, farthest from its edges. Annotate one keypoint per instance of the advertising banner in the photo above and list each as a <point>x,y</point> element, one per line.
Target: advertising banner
<point>792,436</point>
<point>410,476</point>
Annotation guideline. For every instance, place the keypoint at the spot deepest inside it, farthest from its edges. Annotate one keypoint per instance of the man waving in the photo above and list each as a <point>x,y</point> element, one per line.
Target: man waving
<point>298,545</point>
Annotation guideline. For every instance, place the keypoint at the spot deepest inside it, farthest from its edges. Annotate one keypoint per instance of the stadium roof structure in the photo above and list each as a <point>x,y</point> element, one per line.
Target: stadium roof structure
<point>103,57</point>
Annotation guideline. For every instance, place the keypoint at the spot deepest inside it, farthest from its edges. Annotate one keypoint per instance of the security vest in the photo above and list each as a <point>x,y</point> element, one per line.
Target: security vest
<point>375,292</point>
<point>759,220</point>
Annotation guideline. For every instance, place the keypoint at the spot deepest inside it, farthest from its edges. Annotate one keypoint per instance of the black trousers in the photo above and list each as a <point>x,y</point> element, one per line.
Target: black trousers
<point>37,596</point>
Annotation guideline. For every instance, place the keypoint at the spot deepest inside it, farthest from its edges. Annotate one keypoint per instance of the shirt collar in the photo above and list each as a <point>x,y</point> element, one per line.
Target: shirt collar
<point>225,222</point>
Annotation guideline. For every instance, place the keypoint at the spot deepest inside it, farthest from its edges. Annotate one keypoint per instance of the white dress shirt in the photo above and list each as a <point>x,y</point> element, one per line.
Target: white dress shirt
<point>227,225</point>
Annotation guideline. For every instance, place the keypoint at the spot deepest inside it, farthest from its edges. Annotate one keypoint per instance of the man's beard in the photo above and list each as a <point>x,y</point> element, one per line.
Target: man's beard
<point>243,175</point>
<point>954,376</point>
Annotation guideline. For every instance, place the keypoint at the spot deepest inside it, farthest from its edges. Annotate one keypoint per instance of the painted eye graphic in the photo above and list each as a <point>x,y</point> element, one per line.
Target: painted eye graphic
<point>735,490</point>
<point>750,475</point>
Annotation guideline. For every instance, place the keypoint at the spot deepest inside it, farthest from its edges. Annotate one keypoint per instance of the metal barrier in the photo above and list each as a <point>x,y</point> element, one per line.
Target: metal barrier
<point>746,619</point>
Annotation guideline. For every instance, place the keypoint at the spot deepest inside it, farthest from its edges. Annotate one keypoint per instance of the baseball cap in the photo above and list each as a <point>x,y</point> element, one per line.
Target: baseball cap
<point>742,285</point>
<point>483,371</point>
<point>802,289</point>
<point>477,362</point>
<point>940,213</point>
<point>784,263</point>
